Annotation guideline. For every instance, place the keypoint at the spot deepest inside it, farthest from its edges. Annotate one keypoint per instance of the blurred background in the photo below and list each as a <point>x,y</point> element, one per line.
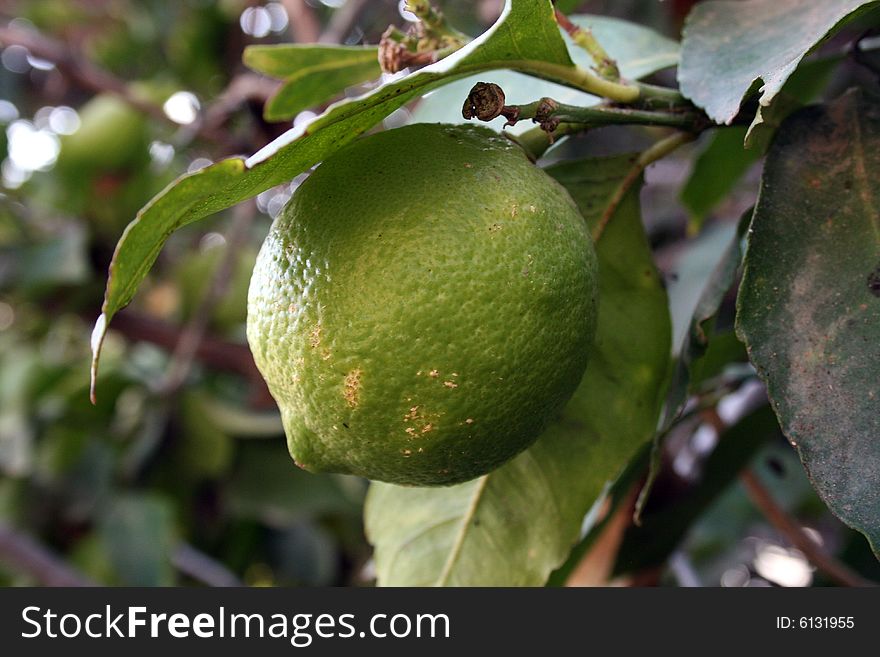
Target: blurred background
<point>180,473</point>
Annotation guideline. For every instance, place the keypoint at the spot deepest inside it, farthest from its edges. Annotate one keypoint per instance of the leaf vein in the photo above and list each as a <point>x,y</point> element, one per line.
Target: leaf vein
<point>457,545</point>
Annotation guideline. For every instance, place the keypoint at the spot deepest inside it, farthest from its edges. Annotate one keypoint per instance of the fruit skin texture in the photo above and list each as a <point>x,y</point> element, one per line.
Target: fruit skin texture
<point>423,306</point>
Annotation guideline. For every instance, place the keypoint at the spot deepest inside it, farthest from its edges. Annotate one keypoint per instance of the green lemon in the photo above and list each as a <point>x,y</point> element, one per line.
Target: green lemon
<point>112,136</point>
<point>423,306</point>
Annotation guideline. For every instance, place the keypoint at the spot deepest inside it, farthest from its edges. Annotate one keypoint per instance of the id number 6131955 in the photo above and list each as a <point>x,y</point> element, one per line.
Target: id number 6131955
<point>815,622</point>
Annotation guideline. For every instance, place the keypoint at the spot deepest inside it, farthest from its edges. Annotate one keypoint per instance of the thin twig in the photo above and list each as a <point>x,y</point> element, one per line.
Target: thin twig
<point>202,568</point>
<point>241,88</point>
<point>795,534</point>
<point>486,102</point>
<point>26,555</point>
<point>659,150</point>
<point>216,353</point>
<point>597,564</point>
<point>536,141</point>
<point>583,37</point>
<point>77,68</point>
<point>187,347</point>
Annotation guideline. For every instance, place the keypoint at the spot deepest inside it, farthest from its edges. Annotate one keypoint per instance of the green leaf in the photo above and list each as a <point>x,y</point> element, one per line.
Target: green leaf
<point>809,302</point>
<point>528,513</point>
<point>526,33</point>
<point>804,86</point>
<point>717,170</point>
<point>267,486</point>
<point>137,533</point>
<point>706,272</point>
<point>602,513</point>
<point>38,266</point>
<point>729,46</point>
<point>639,52</point>
<point>312,73</point>
<point>691,346</point>
<point>661,530</point>
<point>732,151</point>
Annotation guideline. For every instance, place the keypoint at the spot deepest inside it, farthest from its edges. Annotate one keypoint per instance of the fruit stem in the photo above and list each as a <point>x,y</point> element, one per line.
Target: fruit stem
<point>656,152</point>
<point>652,96</point>
<point>549,113</point>
<point>486,101</point>
<point>583,37</point>
<point>536,141</point>
<point>578,78</point>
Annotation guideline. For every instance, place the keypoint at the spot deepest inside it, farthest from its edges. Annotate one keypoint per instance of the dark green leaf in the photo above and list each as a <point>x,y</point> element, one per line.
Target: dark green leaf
<point>269,487</point>
<point>732,151</point>
<point>639,52</point>
<point>695,340</point>
<point>728,46</point>
<point>57,261</point>
<point>137,534</point>
<point>716,172</point>
<point>526,32</point>
<point>690,274</point>
<point>567,6</point>
<point>723,351</point>
<point>312,73</point>
<point>528,513</point>
<point>602,513</point>
<point>809,303</point>
<point>804,86</point>
<point>705,274</point>
<point>661,530</point>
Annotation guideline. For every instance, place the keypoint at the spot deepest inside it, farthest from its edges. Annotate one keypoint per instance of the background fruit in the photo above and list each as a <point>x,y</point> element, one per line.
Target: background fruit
<point>105,165</point>
<point>422,329</point>
<point>112,136</point>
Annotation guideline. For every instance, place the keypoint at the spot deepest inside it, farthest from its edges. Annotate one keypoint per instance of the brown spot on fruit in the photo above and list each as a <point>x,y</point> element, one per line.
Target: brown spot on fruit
<point>315,337</point>
<point>351,388</point>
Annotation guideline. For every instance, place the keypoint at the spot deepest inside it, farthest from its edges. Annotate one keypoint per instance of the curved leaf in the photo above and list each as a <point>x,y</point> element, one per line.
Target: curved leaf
<point>525,32</point>
<point>718,267</point>
<point>727,46</point>
<point>717,170</point>
<point>516,524</point>
<point>639,52</point>
<point>660,532</point>
<point>809,303</point>
<point>312,73</point>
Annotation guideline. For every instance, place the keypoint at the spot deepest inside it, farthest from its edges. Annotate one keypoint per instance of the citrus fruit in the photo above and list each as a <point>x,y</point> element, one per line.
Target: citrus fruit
<point>112,135</point>
<point>423,306</point>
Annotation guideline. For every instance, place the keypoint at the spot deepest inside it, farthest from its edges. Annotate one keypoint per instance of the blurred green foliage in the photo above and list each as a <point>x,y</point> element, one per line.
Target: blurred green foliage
<point>125,490</point>
<point>119,489</point>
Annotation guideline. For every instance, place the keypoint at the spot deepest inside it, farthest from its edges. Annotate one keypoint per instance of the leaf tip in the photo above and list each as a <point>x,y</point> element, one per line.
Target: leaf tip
<point>97,342</point>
